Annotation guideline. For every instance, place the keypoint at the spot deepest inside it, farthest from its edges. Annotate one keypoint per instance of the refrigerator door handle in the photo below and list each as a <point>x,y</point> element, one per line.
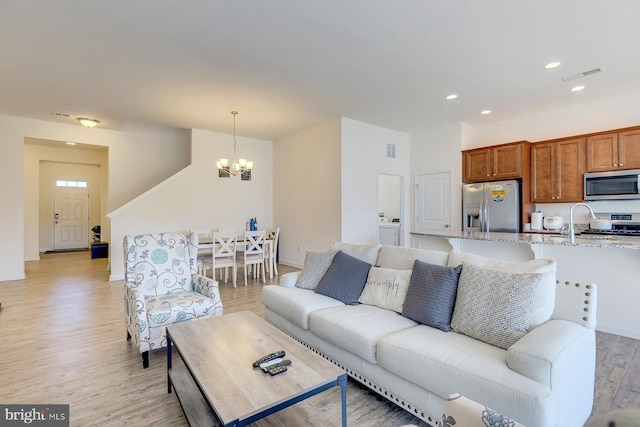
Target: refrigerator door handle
<point>485,208</point>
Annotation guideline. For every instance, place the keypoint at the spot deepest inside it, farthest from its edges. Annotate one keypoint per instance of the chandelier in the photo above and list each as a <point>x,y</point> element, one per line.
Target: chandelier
<point>240,166</point>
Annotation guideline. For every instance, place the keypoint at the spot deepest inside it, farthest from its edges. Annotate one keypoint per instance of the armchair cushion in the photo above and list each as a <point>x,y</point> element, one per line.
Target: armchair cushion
<point>178,307</point>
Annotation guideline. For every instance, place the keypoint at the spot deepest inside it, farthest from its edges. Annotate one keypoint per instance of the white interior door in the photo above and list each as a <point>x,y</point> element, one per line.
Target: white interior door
<point>433,201</point>
<point>71,218</point>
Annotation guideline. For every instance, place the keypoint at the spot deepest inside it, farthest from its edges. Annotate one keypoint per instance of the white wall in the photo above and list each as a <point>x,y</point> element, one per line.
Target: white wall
<point>364,156</point>
<point>306,168</point>
<point>129,174</point>
<point>197,198</point>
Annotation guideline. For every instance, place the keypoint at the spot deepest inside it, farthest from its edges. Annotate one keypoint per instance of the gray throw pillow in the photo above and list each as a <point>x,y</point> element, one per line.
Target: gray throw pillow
<point>432,294</point>
<point>494,306</point>
<point>315,266</point>
<point>345,279</point>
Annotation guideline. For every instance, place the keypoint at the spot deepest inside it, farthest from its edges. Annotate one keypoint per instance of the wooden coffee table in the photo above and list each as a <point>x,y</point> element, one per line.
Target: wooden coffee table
<point>217,384</point>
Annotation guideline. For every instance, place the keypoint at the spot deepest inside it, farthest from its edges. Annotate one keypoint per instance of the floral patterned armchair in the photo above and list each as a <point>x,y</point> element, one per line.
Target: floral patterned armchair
<point>162,287</point>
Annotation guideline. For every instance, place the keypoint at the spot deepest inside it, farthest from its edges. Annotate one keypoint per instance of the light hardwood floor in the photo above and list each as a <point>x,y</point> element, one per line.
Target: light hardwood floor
<point>63,341</point>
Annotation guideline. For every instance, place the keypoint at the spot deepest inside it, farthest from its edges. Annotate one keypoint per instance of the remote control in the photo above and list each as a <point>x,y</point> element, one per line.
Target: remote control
<point>266,365</point>
<point>281,362</point>
<point>278,370</point>
<point>268,357</point>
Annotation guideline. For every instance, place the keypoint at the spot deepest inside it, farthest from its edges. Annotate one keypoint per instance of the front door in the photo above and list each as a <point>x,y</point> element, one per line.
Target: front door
<point>71,218</point>
<point>433,201</point>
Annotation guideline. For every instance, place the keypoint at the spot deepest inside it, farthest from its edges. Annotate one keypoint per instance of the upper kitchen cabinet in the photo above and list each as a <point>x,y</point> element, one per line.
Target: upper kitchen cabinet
<point>557,168</point>
<point>506,161</point>
<point>613,151</point>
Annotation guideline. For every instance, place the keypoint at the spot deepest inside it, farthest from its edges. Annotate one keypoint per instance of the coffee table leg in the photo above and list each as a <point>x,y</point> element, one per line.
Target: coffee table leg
<point>168,362</point>
<point>342,382</point>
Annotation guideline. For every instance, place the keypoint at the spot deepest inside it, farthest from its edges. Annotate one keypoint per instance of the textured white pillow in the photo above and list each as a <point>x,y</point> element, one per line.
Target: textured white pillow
<point>366,253</point>
<point>545,298</point>
<point>386,288</point>
<point>315,266</point>
<point>494,306</point>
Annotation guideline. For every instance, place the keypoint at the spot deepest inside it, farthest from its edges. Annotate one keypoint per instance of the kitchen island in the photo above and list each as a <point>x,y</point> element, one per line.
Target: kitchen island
<point>612,262</point>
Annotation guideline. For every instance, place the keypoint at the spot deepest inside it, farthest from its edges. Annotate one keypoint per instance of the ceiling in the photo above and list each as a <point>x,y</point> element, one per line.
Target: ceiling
<point>285,65</point>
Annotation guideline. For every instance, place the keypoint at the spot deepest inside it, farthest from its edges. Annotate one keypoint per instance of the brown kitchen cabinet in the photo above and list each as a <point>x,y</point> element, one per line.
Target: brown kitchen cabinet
<point>613,151</point>
<point>557,169</point>
<point>495,163</point>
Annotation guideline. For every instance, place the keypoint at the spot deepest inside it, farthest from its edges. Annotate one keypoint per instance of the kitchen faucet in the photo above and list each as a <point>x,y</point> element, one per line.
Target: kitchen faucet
<point>572,230</point>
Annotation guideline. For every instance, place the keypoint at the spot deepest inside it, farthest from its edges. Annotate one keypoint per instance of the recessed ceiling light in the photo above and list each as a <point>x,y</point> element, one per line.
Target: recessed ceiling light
<point>552,64</point>
<point>452,96</point>
<point>71,143</point>
<point>577,88</point>
<point>485,112</point>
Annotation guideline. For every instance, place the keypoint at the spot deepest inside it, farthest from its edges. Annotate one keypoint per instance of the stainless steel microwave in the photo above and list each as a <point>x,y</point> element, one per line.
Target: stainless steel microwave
<point>615,185</point>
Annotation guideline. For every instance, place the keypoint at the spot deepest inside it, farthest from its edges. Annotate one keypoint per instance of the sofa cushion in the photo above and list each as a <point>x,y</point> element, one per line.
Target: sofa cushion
<point>402,258</point>
<point>444,362</point>
<point>295,304</point>
<point>432,294</point>
<point>357,329</point>
<point>366,253</point>
<point>544,301</point>
<point>315,266</point>
<point>345,278</point>
<point>386,288</point>
<point>494,306</point>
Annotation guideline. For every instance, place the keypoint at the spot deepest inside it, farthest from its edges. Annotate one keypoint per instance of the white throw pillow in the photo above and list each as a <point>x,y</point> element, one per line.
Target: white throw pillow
<point>386,288</point>
<point>366,253</point>
<point>545,297</point>
<point>315,266</point>
<point>494,306</point>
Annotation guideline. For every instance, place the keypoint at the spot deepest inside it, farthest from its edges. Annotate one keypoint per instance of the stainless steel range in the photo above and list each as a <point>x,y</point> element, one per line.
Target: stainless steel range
<point>622,224</point>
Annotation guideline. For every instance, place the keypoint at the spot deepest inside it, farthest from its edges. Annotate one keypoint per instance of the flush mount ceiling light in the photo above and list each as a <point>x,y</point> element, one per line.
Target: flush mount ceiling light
<point>552,64</point>
<point>240,166</point>
<point>577,88</point>
<point>485,112</point>
<point>452,96</point>
<point>89,123</point>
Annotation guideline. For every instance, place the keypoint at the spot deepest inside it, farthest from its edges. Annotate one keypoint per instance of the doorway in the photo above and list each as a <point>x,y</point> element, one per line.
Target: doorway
<point>390,209</point>
<point>71,216</point>
<point>433,201</point>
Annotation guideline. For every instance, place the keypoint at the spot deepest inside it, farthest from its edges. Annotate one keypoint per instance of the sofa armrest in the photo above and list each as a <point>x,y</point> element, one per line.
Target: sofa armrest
<point>576,302</point>
<point>208,287</point>
<point>561,355</point>
<point>288,280</point>
<point>135,314</point>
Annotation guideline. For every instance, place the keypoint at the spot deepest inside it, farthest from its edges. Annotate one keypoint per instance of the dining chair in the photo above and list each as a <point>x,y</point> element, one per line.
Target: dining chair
<point>273,236</point>
<point>224,255</point>
<point>204,250</point>
<point>252,252</point>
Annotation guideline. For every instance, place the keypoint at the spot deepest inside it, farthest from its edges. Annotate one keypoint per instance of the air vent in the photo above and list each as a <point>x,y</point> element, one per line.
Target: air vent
<point>391,151</point>
<point>583,74</point>
<point>56,113</point>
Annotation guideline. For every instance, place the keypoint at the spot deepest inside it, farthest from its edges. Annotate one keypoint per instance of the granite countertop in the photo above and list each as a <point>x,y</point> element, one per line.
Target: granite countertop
<point>590,240</point>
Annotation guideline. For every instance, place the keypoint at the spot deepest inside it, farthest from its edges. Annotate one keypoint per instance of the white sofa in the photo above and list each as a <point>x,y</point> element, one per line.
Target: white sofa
<point>545,379</point>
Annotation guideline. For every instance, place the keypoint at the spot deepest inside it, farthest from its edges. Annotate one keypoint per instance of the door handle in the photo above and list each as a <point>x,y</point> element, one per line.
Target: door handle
<point>56,217</point>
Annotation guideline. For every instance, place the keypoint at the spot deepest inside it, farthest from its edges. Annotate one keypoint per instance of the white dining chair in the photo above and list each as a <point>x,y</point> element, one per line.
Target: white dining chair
<point>252,252</point>
<point>273,236</point>
<point>204,250</point>
<point>224,255</point>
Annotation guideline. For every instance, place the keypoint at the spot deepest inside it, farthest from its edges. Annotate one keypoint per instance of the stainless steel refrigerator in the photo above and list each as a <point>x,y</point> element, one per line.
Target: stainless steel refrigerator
<point>491,206</point>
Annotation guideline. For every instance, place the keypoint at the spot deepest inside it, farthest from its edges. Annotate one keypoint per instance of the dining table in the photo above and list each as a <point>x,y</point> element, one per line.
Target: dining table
<point>206,243</point>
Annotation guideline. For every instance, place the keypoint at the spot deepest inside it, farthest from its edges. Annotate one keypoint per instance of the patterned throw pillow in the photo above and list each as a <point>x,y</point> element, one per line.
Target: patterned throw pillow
<point>386,288</point>
<point>432,294</point>
<point>494,306</point>
<point>344,279</point>
<point>315,266</point>
<point>460,411</point>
